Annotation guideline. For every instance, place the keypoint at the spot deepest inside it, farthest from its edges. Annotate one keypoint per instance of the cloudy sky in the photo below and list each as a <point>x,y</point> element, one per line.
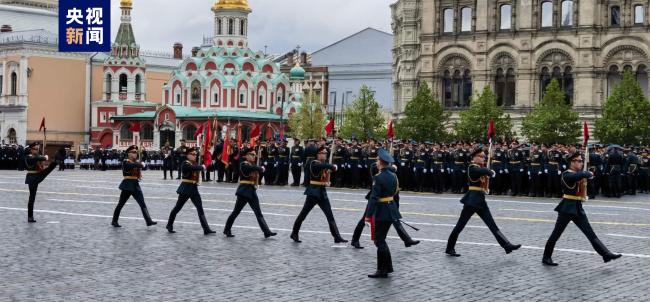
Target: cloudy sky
<point>278,24</point>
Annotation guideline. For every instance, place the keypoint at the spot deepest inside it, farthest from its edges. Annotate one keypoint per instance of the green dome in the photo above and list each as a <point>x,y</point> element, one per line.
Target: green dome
<point>297,73</point>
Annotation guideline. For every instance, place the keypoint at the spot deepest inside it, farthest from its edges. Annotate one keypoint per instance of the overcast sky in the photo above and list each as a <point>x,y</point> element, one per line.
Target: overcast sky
<point>278,24</point>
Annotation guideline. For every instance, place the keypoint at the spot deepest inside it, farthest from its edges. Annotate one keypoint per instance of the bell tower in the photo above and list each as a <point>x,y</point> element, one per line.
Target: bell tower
<point>231,23</point>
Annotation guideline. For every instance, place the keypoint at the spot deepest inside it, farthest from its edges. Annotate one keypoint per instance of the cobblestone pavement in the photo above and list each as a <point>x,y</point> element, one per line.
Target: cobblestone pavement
<point>73,254</point>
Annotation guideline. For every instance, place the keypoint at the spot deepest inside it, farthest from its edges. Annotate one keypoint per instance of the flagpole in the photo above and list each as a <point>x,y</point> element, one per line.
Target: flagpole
<point>586,159</point>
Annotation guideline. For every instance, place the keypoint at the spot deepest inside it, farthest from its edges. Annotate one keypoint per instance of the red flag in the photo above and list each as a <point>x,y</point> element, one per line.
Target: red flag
<point>199,130</point>
<point>585,131</point>
<point>135,127</point>
<point>226,148</point>
<point>329,127</point>
<point>207,145</point>
<point>255,134</point>
<point>391,133</point>
<point>42,125</point>
<point>491,131</point>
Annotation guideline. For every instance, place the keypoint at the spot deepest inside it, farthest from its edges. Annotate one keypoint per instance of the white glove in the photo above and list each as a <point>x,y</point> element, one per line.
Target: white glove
<point>143,165</point>
<point>442,170</point>
<point>539,173</point>
<point>203,166</point>
<point>263,169</point>
<point>47,157</point>
<point>506,171</point>
<point>299,164</point>
<point>546,171</point>
<point>500,171</point>
<point>463,171</point>
<point>424,171</point>
<point>559,173</point>
<point>394,167</point>
<point>266,163</point>
<point>358,166</point>
<point>528,173</point>
<point>564,167</point>
<point>494,174</point>
<point>335,168</point>
<point>414,169</point>
<point>521,170</point>
<point>402,164</point>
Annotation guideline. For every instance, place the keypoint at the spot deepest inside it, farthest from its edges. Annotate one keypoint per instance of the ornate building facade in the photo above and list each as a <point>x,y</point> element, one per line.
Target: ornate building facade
<point>517,46</point>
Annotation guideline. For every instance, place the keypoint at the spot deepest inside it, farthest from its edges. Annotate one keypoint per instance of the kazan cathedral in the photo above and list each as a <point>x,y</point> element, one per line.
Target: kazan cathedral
<point>226,80</point>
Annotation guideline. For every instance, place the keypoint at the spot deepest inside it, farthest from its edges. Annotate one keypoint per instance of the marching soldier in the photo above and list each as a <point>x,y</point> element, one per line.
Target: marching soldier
<point>382,212</point>
<point>35,175</point>
<point>130,186</point>
<point>296,162</point>
<point>189,189</point>
<point>247,193</point>
<point>570,209</point>
<point>401,232</point>
<point>319,172</point>
<point>474,203</point>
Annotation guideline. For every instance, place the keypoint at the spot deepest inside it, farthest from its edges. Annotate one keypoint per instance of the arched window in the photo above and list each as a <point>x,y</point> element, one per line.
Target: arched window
<point>262,98</point>
<point>446,89</point>
<point>505,87</point>
<point>196,91</point>
<point>564,78</point>
<point>125,134</point>
<point>613,79</point>
<point>215,100</point>
<point>456,82</point>
<point>505,17</point>
<point>138,84</point>
<point>242,27</point>
<point>642,78</point>
<point>567,13</point>
<point>466,19</point>
<point>109,85</point>
<point>219,26</point>
<point>177,95</point>
<point>146,132</point>
<point>123,83</point>
<point>567,85</point>
<point>544,80</point>
<point>615,16</point>
<point>639,14</point>
<point>547,14</point>
<point>231,26</point>
<point>242,98</point>
<point>12,136</point>
<point>188,132</point>
<point>448,20</point>
<point>14,83</point>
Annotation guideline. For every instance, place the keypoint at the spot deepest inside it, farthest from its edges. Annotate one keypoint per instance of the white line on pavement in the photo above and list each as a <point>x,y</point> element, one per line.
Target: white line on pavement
<point>548,212</point>
<point>323,232</point>
<point>628,236</point>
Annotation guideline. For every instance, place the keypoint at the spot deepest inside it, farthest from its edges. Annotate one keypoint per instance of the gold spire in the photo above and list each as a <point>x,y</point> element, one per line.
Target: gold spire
<point>126,3</point>
<point>231,5</point>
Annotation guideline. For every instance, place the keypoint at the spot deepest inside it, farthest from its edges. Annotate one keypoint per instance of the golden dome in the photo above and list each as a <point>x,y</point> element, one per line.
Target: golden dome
<point>126,3</point>
<point>231,5</point>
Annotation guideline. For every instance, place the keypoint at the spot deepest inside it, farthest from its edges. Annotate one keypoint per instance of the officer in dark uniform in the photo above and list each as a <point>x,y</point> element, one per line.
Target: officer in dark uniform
<point>247,193</point>
<point>130,186</point>
<point>516,167</point>
<point>189,189</point>
<point>356,156</point>
<point>36,173</point>
<point>474,203</point>
<point>370,158</point>
<point>632,164</point>
<point>535,172</point>
<point>595,164</point>
<point>644,172</point>
<point>273,165</point>
<point>220,166</point>
<point>615,167</point>
<point>319,172</point>
<point>283,164</point>
<point>168,162</point>
<point>420,164</point>
<point>458,168</point>
<point>570,209</point>
<point>406,238</point>
<point>309,156</point>
<point>297,158</point>
<point>181,157</point>
<point>382,212</point>
<point>499,161</point>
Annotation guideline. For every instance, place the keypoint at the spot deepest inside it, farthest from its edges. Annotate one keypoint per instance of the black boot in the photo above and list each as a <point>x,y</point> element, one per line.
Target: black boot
<point>265,228</point>
<point>451,252</point>
<point>115,224</point>
<point>600,247</point>
<point>228,233</point>
<point>147,217</point>
<point>356,244</point>
<point>379,275</point>
<point>205,226</point>
<point>548,261</point>
<point>31,220</point>
<point>451,244</point>
<point>170,228</point>
<point>335,233</point>
<point>408,241</point>
<point>294,236</point>
<point>548,253</point>
<point>503,241</point>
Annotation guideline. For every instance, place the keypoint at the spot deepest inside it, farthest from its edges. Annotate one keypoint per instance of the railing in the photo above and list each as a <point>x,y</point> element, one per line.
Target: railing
<point>147,143</point>
<point>31,39</point>
<point>126,142</point>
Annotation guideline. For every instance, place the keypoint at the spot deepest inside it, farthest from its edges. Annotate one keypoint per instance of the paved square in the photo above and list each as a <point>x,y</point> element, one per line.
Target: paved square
<point>73,254</point>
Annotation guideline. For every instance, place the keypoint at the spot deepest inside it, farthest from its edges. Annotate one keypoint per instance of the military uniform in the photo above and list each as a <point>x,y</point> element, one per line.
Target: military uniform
<point>382,212</point>
<point>615,168</point>
<point>247,194</point>
<point>553,171</point>
<point>130,186</point>
<point>516,167</point>
<point>499,184</point>
<point>570,209</point>
<point>474,203</point>
<point>282,160</point>
<point>644,174</point>
<point>188,189</point>
<point>35,175</point>
<point>297,158</point>
<point>355,164</point>
<point>316,193</point>
<point>537,164</point>
<point>180,158</point>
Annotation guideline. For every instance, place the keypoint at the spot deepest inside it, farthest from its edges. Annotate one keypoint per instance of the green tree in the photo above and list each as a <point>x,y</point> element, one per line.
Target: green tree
<point>473,123</point>
<point>424,118</point>
<point>552,120</point>
<point>626,114</point>
<point>309,121</point>
<point>363,118</point>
